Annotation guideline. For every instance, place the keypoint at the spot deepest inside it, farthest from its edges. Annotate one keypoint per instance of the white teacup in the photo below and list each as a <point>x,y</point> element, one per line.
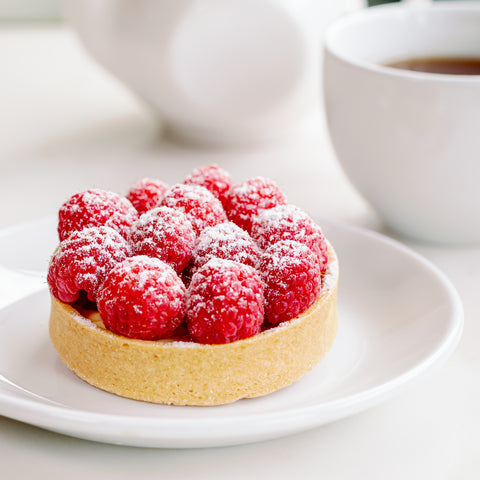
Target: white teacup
<point>409,141</point>
<point>217,71</point>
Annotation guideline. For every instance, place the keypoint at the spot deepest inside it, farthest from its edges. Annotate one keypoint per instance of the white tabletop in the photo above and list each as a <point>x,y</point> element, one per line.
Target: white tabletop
<point>65,126</point>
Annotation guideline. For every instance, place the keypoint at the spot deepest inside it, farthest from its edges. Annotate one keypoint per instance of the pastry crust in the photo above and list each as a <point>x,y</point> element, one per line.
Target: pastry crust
<point>187,373</point>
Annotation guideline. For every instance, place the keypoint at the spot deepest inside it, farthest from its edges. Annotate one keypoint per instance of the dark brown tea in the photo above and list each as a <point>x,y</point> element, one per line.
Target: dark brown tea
<point>448,65</point>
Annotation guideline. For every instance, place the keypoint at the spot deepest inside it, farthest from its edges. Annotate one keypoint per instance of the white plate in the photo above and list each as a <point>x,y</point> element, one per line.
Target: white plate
<point>399,316</point>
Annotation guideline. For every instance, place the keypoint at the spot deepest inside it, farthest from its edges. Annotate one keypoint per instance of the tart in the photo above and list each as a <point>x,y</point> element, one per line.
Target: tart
<point>179,369</point>
<point>188,373</point>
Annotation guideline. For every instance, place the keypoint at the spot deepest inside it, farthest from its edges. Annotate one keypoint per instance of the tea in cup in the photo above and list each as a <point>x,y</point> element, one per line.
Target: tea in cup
<point>404,114</point>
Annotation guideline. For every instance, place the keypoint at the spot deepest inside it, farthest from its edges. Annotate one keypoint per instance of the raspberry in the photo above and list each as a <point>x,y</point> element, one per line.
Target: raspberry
<point>247,199</point>
<point>200,206</point>
<point>142,297</point>
<point>286,222</point>
<point>224,302</point>
<point>146,194</point>
<point>225,240</point>
<point>292,280</point>
<point>94,208</point>
<point>82,261</point>
<point>164,233</point>
<point>213,178</point>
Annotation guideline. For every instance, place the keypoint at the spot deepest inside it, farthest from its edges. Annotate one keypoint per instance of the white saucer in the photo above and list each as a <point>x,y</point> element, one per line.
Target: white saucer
<point>399,317</point>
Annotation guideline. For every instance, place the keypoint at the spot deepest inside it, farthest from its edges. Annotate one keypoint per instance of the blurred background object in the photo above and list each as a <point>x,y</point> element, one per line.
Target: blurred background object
<point>214,71</point>
<point>51,10</point>
<point>26,10</point>
<point>372,3</point>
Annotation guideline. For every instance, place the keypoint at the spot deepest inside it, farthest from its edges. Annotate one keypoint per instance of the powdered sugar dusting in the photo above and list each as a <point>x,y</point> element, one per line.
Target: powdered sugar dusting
<point>330,276</point>
<point>224,302</point>
<point>142,297</point>
<point>83,260</point>
<point>145,298</point>
<point>287,222</point>
<point>165,233</point>
<point>225,240</point>
<point>247,199</point>
<point>292,280</point>
<point>94,208</point>
<point>78,317</point>
<point>213,178</point>
<point>200,205</point>
<point>146,194</point>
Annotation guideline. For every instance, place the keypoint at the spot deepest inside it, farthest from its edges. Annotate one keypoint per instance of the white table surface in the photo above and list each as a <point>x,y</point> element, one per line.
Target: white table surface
<point>65,126</point>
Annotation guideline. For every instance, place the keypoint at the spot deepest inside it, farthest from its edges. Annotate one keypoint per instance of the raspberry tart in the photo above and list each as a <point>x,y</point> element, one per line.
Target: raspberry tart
<point>192,301</point>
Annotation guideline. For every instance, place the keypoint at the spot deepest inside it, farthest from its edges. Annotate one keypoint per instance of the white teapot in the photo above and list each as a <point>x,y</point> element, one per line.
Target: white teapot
<point>221,71</point>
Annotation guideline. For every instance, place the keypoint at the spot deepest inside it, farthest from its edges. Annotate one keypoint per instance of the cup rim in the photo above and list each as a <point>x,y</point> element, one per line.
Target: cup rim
<point>397,9</point>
